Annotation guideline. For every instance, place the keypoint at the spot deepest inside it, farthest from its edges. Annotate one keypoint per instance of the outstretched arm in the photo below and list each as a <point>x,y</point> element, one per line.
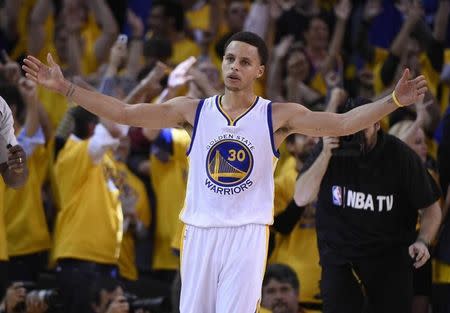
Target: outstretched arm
<point>178,112</point>
<point>289,118</point>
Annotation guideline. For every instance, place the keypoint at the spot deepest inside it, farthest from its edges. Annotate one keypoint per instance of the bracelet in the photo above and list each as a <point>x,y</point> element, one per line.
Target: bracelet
<point>397,103</point>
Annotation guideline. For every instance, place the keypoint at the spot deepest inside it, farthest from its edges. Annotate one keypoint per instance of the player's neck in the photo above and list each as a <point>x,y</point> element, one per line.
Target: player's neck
<point>237,99</point>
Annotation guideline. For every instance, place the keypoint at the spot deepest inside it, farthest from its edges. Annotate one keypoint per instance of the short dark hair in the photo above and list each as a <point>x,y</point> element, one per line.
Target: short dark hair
<point>173,10</point>
<point>158,48</point>
<point>282,273</point>
<point>253,40</point>
<point>82,118</point>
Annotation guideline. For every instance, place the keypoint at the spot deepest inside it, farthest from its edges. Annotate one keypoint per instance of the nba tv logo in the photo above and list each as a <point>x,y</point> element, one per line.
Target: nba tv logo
<point>337,195</point>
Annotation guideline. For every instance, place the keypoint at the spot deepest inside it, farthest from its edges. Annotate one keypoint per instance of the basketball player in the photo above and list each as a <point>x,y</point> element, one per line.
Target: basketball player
<point>232,154</point>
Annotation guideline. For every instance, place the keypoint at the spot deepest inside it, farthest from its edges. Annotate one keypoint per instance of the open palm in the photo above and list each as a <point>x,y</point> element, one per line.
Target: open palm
<point>50,77</point>
<point>409,91</point>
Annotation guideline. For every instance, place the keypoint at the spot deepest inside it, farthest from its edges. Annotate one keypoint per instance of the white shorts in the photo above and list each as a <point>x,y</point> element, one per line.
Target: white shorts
<point>222,268</point>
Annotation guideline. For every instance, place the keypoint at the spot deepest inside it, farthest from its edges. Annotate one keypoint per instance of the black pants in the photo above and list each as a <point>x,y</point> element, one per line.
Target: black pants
<point>75,279</point>
<point>3,278</point>
<point>27,267</point>
<point>382,284</point>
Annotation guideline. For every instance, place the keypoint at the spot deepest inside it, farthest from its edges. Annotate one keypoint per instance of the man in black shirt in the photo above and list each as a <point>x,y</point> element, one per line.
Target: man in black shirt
<point>366,217</point>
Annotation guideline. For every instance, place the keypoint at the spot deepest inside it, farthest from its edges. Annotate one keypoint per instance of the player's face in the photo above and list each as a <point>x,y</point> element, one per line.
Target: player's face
<point>280,297</point>
<point>241,65</point>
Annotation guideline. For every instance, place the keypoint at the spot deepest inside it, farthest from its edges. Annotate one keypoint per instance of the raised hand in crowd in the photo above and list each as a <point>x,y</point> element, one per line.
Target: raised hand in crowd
<point>372,9</point>
<point>205,80</point>
<point>118,56</point>
<point>179,76</point>
<point>9,69</point>
<point>338,96</point>
<point>136,24</point>
<point>343,9</point>
<point>282,48</point>
<point>149,86</point>
<point>329,143</point>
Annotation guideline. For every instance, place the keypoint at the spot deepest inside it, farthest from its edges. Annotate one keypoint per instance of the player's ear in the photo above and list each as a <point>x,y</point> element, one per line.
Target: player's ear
<point>261,71</point>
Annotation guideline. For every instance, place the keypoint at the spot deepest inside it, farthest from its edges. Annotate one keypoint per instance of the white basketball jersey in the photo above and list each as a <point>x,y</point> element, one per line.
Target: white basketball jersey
<point>231,165</point>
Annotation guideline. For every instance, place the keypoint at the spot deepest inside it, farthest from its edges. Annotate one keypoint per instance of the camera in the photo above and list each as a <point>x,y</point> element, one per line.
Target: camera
<point>351,145</point>
<point>48,296</point>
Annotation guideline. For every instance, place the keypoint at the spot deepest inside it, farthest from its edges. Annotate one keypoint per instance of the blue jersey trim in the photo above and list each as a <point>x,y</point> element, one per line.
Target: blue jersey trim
<point>269,122</point>
<point>194,130</point>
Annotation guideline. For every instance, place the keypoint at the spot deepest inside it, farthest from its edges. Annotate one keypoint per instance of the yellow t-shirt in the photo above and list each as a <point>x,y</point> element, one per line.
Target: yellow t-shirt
<point>199,19</point>
<point>26,227</point>
<point>127,259</point>
<point>299,251</point>
<point>23,21</point>
<point>89,224</point>
<point>169,181</point>
<point>183,49</point>
<point>285,184</point>
<point>441,272</point>
<point>3,244</point>
<point>54,104</point>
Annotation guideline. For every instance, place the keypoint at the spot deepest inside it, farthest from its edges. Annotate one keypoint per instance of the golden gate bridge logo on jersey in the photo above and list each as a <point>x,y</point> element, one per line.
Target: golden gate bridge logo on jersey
<point>228,165</point>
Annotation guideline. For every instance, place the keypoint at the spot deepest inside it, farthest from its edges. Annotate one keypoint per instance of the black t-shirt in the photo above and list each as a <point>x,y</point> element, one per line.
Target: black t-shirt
<point>367,206</point>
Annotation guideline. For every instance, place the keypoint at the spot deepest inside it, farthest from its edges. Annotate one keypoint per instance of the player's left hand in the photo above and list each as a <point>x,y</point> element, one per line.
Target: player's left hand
<point>419,253</point>
<point>409,91</point>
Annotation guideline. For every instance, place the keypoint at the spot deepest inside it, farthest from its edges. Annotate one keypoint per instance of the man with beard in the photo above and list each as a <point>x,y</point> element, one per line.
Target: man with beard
<point>280,290</point>
<point>369,191</point>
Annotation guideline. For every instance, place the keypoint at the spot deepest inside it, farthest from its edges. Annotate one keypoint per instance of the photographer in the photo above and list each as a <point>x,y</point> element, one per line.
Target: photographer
<point>368,195</point>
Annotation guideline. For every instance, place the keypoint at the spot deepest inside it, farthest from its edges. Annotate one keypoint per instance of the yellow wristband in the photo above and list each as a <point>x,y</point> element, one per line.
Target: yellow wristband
<point>397,103</point>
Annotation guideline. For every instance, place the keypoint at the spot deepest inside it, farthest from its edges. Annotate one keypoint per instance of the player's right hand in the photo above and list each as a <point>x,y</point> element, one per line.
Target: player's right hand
<point>50,77</point>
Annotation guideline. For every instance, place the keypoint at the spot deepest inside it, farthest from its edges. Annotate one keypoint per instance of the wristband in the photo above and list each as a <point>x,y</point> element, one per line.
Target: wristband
<point>397,103</point>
